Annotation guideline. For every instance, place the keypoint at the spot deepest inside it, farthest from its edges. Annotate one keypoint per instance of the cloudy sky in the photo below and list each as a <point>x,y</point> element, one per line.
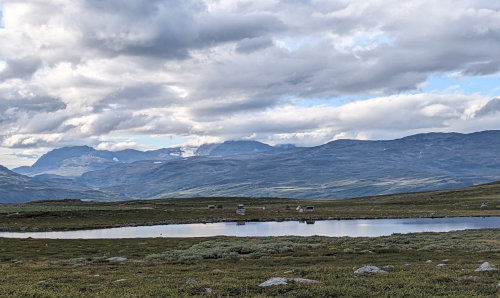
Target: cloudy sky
<point>157,73</point>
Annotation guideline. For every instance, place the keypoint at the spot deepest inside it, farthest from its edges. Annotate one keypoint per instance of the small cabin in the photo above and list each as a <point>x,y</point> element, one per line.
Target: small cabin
<point>299,209</point>
<point>211,206</point>
<point>240,209</point>
<point>220,207</point>
<point>310,209</point>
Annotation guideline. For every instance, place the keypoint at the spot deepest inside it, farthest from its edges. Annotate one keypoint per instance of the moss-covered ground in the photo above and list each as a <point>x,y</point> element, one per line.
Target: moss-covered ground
<point>236,266</point>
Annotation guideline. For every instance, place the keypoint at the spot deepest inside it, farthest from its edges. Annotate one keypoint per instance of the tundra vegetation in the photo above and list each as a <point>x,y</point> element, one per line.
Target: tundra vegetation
<point>422,264</point>
<point>227,266</point>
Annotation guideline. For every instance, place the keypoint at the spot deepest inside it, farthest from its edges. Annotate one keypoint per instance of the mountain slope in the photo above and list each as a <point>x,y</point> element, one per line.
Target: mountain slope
<point>74,161</point>
<point>16,188</point>
<point>344,168</point>
<point>232,148</point>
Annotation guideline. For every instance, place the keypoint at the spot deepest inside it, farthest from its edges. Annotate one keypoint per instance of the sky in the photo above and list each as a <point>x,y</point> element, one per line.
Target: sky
<point>149,74</point>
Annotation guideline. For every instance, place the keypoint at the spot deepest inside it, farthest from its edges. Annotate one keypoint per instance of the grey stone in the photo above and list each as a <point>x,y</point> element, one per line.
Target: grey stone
<point>440,265</point>
<point>208,290</point>
<point>407,266</point>
<point>369,270</point>
<point>274,281</point>
<point>117,259</point>
<point>289,271</point>
<point>121,280</point>
<point>486,266</point>
<point>190,281</point>
<point>428,261</point>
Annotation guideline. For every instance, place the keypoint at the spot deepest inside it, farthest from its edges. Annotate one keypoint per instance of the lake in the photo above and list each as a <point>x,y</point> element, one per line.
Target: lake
<point>330,228</point>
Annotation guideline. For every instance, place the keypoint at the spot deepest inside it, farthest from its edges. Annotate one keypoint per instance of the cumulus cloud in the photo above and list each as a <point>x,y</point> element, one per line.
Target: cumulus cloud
<point>72,72</point>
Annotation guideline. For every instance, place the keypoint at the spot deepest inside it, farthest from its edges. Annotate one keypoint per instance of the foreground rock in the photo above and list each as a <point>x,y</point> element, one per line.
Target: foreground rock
<point>369,270</point>
<point>275,281</point>
<point>486,266</point>
<point>117,259</point>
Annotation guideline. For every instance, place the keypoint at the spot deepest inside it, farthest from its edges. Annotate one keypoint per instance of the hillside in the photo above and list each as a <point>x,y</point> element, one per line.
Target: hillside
<point>339,169</point>
<point>15,188</point>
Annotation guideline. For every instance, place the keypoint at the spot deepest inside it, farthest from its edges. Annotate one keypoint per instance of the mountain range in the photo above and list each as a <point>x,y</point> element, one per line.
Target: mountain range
<point>338,169</point>
<point>76,160</point>
<point>16,188</point>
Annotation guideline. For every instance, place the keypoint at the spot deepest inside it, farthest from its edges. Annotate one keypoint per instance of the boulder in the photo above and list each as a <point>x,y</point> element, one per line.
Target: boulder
<point>369,270</point>
<point>274,281</point>
<point>190,281</point>
<point>486,266</point>
<point>117,259</point>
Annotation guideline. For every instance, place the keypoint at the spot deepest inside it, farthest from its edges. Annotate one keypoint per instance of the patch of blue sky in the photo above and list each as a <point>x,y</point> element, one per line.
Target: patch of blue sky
<point>333,101</point>
<point>293,44</point>
<point>484,85</point>
<point>363,40</point>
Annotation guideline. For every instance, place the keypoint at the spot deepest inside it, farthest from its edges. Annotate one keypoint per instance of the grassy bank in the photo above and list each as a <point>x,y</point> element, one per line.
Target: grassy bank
<point>236,266</point>
<point>63,215</point>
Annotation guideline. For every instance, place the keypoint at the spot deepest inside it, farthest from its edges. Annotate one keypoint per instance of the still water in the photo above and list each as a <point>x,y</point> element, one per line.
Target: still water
<point>330,228</point>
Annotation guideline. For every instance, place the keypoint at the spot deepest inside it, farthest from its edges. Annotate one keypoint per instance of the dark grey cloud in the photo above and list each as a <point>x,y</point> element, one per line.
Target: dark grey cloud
<point>492,107</point>
<point>251,45</point>
<point>481,69</point>
<point>20,68</point>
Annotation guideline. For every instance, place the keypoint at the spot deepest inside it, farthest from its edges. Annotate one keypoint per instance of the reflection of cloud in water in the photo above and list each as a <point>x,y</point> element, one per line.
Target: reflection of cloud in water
<point>331,228</point>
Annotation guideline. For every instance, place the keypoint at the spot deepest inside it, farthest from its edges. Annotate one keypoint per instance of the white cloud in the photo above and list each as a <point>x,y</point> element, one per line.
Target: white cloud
<point>73,72</point>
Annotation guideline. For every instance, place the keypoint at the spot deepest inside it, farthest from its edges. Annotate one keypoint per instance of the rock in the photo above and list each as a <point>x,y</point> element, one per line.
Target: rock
<point>274,281</point>
<point>440,265</point>
<point>407,266</point>
<point>117,259</point>
<point>190,281</point>
<point>289,271</point>
<point>445,260</point>
<point>369,270</point>
<point>484,204</point>
<point>304,280</point>
<point>121,280</point>
<point>498,285</point>
<point>388,267</point>
<point>486,266</point>
<point>428,261</point>
<point>208,290</point>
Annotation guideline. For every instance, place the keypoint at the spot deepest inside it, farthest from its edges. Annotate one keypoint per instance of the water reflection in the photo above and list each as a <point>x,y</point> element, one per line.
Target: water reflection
<point>331,228</point>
